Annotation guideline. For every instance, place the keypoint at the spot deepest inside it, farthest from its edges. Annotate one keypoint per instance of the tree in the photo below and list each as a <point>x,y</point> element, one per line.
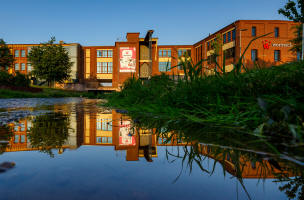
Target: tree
<point>295,11</point>
<point>6,58</point>
<point>49,131</point>
<point>51,62</point>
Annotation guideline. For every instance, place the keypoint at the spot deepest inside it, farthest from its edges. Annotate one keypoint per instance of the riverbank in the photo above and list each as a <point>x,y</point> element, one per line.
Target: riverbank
<point>46,93</point>
<point>259,101</point>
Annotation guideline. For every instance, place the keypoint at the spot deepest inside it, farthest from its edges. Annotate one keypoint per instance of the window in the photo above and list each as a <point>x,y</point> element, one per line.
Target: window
<point>23,53</point>
<point>23,66</point>
<point>253,31</point>
<point>104,124</point>
<point>110,67</point>
<point>110,53</point>
<point>224,38</point>
<point>229,53</point>
<point>16,128</point>
<point>208,46</point>
<point>104,67</point>
<point>16,66</point>
<point>98,125</point>
<point>233,34</point>
<point>29,67</point>
<point>276,32</point>
<point>16,53</point>
<point>183,52</point>
<point>22,138</point>
<point>164,66</point>
<point>22,125</point>
<point>105,53</point>
<point>164,53</point>
<point>16,139</point>
<point>98,53</point>
<point>99,67</point>
<point>254,54</point>
<point>277,55</point>
<point>229,36</point>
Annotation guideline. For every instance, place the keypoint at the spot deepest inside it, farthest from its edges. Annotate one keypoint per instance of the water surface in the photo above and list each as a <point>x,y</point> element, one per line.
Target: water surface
<point>70,148</point>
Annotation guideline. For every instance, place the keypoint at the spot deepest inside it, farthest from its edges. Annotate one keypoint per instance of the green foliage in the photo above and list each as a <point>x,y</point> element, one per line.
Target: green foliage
<point>221,101</point>
<point>293,10</point>
<point>6,58</point>
<point>51,62</point>
<point>49,131</point>
<point>5,78</point>
<point>19,79</point>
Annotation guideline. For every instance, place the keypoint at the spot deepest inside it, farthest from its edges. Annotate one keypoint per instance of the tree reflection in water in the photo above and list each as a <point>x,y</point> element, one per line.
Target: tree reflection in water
<point>49,131</point>
<point>5,136</point>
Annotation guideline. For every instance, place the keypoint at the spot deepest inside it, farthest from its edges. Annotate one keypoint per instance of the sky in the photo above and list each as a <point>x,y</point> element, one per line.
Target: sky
<point>102,22</point>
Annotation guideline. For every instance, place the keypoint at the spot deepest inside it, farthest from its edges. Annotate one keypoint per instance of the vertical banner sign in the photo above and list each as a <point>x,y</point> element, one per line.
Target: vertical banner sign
<point>127,59</point>
<point>124,134</point>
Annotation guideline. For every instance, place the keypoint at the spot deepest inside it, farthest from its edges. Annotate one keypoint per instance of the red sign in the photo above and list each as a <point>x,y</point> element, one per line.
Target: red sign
<point>127,59</point>
<point>266,44</point>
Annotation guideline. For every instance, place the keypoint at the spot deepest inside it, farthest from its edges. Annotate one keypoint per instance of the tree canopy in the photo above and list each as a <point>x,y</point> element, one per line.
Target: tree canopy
<point>6,58</point>
<point>294,10</point>
<point>51,62</point>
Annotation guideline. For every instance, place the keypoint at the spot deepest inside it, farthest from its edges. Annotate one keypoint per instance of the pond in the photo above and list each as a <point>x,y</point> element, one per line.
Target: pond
<point>71,148</point>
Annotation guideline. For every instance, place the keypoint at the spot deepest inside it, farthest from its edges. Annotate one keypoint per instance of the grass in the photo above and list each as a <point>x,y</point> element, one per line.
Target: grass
<point>46,93</point>
<point>258,101</point>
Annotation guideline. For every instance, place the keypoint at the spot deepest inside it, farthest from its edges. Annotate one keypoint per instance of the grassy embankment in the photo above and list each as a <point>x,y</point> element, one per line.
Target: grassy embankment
<point>260,100</point>
<point>46,93</point>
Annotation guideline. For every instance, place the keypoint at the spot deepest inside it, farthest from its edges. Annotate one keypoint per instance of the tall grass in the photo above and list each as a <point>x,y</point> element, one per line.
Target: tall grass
<point>259,100</point>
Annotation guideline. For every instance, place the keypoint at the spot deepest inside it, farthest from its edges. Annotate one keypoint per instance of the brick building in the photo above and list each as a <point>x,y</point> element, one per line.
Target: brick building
<point>107,67</point>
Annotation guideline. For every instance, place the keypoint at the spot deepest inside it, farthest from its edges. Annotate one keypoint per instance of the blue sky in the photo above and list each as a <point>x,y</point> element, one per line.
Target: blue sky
<point>102,22</point>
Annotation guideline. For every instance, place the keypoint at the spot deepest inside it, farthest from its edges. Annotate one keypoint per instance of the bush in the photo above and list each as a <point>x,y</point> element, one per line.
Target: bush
<point>19,79</point>
<point>5,78</point>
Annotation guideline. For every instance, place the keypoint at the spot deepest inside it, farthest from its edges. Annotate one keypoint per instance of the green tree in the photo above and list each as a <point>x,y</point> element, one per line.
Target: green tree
<point>51,62</point>
<point>49,131</point>
<point>294,10</point>
<point>6,58</point>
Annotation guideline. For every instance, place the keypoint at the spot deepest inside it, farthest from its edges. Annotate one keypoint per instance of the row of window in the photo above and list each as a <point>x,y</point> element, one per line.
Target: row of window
<point>254,55</point>
<point>254,31</point>
<point>228,37</point>
<point>163,53</point>
<point>104,124</point>
<point>104,53</point>
<point>19,139</point>
<point>21,53</point>
<point>184,52</point>
<point>21,67</point>
<point>105,67</point>
<point>103,140</point>
<point>164,66</point>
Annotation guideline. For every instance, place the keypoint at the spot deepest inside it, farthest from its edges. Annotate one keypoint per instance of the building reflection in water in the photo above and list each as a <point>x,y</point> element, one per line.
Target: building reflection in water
<point>114,129</point>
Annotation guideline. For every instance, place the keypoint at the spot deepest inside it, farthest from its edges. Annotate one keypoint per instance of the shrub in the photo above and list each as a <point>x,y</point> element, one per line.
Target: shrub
<point>5,78</point>
<point>21,80</point>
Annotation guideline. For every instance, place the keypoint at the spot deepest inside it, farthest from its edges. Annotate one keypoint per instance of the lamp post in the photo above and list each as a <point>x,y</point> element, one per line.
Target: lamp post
<point>241,40</point>
<point>303,41</point>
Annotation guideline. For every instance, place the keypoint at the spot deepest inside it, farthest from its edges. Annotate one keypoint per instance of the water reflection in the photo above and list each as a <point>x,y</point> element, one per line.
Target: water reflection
<point>70,126</point>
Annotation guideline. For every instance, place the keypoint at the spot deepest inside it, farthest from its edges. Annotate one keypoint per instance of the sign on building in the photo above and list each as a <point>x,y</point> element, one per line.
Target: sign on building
<point>127,59</point>
<point>124,134</point>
